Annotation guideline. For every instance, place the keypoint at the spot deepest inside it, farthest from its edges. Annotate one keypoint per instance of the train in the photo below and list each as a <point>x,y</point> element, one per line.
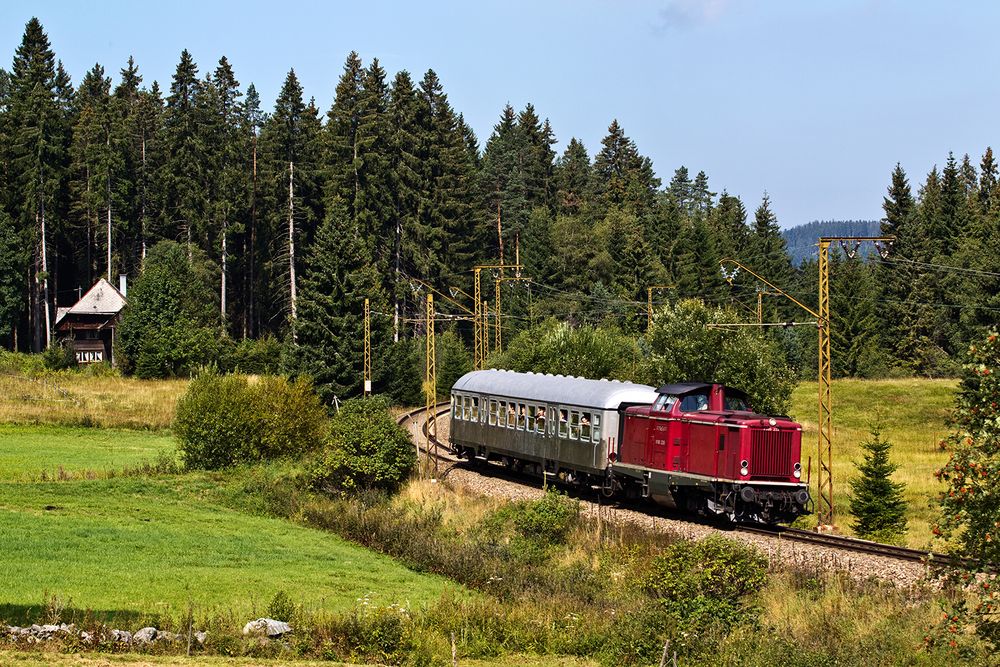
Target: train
<point>698,446</point>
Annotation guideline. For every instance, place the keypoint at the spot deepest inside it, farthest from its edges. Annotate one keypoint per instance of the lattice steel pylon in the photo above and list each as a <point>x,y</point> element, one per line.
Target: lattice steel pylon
<point>479,355</point>
<point>649,302</point>
<point>368,350</point>
<point>486,331</point>
<point>824,478</point>
<point>824,482</point>
<point>430,385</point>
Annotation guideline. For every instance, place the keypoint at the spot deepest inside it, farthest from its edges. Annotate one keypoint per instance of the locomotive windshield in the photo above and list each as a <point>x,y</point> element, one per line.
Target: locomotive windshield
<point>737,403</point>
<point>664,402</point>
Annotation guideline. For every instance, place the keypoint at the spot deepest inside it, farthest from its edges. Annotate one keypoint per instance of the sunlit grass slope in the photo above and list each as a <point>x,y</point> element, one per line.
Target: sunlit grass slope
<point>912,413</point>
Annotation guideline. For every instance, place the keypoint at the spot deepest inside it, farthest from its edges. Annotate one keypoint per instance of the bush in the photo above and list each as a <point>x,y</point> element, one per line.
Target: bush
<point>226,419</point>
<point>706,580</point>
<point>59,356</point>
<point>367,450</point>
<point>260,356</point>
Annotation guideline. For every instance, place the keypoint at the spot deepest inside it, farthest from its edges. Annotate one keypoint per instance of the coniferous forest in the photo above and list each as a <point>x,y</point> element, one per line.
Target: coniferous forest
<point>276,219</point>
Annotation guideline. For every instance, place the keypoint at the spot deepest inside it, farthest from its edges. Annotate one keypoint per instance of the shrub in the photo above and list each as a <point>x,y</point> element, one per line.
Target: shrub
<point>367,450</point>
<point>260,356</point>
<point>59,356</point>
<point>706,580</point>
<point>226,419</point>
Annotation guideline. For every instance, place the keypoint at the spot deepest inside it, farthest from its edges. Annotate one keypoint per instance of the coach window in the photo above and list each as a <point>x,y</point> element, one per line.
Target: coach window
<point>574,425</point>
<point>511,414</point>
<point>531,418</point>
<point>475,409</point>
<point>540,419</point>
<point>493,412</point>
<point>585,426</point>
<point>563,424</point>
<point>597,427</point>
<point>521,416</point>
<point>454,407</point>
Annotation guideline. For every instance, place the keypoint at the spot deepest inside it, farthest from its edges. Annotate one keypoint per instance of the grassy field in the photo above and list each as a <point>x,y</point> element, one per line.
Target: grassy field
<point>912,413</point>
<point>81,399</point>
<point>44,659</point>
<point>26,452</point>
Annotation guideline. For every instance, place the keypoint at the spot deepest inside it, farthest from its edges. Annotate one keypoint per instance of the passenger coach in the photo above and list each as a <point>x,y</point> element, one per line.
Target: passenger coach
<point>558,424</point>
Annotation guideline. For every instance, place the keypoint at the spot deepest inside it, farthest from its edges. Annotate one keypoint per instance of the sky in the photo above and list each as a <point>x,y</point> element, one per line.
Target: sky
<point>813,102</point>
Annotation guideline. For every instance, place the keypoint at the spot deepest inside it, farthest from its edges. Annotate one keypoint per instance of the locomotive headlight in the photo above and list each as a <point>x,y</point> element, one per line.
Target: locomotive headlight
<point>797,472</point>
<point>772,421</point>
<point>744,467</point>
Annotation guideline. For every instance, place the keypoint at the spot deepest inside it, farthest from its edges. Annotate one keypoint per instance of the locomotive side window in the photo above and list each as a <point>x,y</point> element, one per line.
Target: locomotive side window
<point>563,424</point>
<point>493,412</point>
<point>597,427</point>
<point>694,402</point>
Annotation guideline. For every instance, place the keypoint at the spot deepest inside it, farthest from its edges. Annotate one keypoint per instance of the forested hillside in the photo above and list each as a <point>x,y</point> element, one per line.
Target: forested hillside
<point>289,216</point>
<point>801,240</point>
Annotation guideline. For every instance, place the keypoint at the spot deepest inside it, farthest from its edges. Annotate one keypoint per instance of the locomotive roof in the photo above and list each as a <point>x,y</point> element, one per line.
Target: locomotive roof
<point>681,388</point>
<point>565,390</point>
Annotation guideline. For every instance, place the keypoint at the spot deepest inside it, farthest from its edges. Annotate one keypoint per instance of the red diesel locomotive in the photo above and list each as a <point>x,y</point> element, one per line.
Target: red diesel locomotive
<point>697,446</point>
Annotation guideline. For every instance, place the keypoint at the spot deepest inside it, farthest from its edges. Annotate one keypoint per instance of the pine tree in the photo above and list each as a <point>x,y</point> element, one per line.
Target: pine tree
<point>13,268</point>
<point>503,183</point>
<point>38,160</point>
<point>877,502</point>
<point>697,262</point>
<point>623,177</point>
<point>339,275</point>
<point>770,255</point>
<point>573,178</point>
<point>182,173</point>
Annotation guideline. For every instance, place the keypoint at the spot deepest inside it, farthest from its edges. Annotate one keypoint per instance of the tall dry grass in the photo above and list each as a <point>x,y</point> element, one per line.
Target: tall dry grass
<point>82,399</point>
<point>912,413</point>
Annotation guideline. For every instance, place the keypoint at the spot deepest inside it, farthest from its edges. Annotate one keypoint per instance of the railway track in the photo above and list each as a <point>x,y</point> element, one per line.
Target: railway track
<point>439,451</point>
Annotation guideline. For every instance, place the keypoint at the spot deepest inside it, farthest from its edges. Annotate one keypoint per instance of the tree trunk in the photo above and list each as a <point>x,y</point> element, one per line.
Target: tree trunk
<point>222,289</point>
<point>142,229</point>
<point>397,251</point>
<point>253,246</point>
<point>291,241</point>
<point>499,227</point>
<point>109,225</point>
<point>45,281</point>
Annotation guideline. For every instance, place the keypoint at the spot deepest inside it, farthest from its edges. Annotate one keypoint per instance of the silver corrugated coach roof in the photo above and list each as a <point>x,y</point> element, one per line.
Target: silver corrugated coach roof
<point>565,390</point>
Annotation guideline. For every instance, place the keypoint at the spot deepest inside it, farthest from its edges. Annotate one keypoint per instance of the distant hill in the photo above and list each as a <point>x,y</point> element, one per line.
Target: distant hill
<point>802,240</point>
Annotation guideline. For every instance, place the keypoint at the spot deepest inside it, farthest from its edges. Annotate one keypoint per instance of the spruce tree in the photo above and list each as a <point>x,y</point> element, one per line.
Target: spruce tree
<point>573,178</point>
<point>13,268</point>
<point>339,275</point>
<point>877,502</point>
<point>182,173</point>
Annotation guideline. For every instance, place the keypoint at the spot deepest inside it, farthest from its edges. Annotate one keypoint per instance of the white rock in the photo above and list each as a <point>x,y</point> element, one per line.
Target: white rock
<point>145,635</point>
<point>267,627</point>
<point>200,637</point>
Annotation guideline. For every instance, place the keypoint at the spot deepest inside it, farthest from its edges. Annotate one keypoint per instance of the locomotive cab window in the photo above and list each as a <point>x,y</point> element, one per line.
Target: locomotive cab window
<point>694,402</point>
<point>664,402</point>
<point>737,403</point>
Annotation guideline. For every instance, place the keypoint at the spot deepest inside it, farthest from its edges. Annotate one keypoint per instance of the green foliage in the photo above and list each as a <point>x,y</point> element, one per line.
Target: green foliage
<point>585,351</point>
<point>282,607</point>
<point>255,356</point>
<point>59,356</point>
<point>168,327</point>
<point>226,419</point>
<point>708,580</point>
<point>683,348</point>
<point>367,450</point>
<point>877,502</point>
